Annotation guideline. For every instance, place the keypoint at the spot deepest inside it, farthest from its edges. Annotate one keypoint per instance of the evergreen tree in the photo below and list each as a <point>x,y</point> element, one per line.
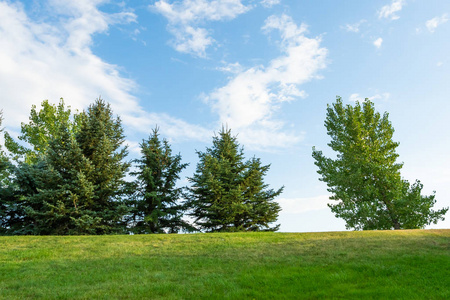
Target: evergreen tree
<point>5,198</point>
<point>156,207</point>
<point>70,181</point>
<point>64,196</point>
<point>12,211</point>
<point>100,138</point>
<point>365,176</point>
<point>229,194</point>
<point>35,173</point>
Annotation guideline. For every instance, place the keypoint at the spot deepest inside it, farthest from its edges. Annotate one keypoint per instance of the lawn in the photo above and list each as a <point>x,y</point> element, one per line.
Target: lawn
<point>407,264</point>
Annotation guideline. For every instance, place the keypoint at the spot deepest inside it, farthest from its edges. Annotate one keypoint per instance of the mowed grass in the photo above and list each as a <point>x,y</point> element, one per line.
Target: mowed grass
<point>410,264</point>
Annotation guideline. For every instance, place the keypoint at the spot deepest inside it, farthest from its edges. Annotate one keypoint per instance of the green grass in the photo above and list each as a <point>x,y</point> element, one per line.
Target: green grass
<point>410,264</point>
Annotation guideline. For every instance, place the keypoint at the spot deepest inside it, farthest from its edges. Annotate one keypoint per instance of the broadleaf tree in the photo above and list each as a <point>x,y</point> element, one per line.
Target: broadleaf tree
<point>365,176</point>
<point>229,193</point>
<point>43,125</point>
<point>156,205</point>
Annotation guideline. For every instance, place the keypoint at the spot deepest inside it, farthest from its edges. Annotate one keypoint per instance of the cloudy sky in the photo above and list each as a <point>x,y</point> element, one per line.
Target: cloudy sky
<point>266,68</point>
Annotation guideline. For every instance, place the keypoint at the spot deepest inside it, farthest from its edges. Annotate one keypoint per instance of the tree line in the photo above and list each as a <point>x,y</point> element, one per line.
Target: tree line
<point>69,175</point>
<point>71,179</point>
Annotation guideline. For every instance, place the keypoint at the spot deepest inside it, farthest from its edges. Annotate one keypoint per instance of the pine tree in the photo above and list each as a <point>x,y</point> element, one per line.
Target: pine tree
<point>365,176</point>
<point>100,137</point>
<point>229,194</point>
<point>156,206</point>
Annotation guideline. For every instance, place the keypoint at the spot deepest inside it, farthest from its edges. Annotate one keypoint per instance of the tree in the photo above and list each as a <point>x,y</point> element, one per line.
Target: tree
<point>3,157</point>
<point>156,206</point>
<point>70,181</point>
<point>228,193</point>
<point>42,127</point>
<point>100,138</point>
<point>5,197</point>
<point>365,177</point>
<point>64,196</point>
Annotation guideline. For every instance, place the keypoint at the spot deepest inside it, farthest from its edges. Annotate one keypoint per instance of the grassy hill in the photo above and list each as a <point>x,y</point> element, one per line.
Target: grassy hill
<point>410,264</point>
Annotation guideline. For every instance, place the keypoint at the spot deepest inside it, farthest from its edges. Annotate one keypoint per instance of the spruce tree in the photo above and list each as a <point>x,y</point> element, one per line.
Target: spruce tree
<point>100,138</point>
<point>156,205</point>
<point>228,193</point>
<point>63,199</point>
<point>13,186</point>
<point>5,198</point>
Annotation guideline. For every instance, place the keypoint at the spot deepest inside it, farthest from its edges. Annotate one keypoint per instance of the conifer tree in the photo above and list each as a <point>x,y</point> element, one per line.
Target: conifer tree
<point>5,205</point>
<point>13,185</point>
<point>100,138</point>
<point>63,199</point>
<point>228,193</point>
<point>156,205</point>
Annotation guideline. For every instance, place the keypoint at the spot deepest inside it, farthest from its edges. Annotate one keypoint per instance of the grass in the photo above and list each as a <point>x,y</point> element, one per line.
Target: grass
<point>410,264</point>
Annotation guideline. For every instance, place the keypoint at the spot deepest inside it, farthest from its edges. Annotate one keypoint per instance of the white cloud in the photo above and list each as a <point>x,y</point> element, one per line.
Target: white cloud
<point>435,22</point>
<point>377,43</point>
<point>354,27</point>
<point>185,16</point>
<point>302,205</point>
<point>389,11</point>
<point>250,99</point>
<point>269,3</point>
<point>52,60</point>
<point>356,97</point>
<point>233,68</point>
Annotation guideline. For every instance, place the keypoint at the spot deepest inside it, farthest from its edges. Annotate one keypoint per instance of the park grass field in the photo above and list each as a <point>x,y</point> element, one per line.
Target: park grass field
<point>407,264</point>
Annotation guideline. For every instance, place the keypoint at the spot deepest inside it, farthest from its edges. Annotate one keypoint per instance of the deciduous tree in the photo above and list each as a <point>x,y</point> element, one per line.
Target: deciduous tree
<point>43,125</point>
<point>365,176</point>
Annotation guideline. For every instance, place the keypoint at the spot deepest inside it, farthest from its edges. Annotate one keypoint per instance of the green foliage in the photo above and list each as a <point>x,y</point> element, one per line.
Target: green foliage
<point>156,205</point>
<point>5,196</point>
<point>43,126</point>
<point>3,158</point>
<point>64,198</point>
<point>70,181</point>
<point>365,176</point>
<point>229,194</point>
<point>100,138</point>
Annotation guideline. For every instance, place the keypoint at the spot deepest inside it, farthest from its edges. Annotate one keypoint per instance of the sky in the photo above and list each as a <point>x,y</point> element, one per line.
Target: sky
<point>264,68</point>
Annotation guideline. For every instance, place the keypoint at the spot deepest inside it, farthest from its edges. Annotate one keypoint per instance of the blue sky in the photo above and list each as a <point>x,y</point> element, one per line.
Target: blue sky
<point>266,68</point>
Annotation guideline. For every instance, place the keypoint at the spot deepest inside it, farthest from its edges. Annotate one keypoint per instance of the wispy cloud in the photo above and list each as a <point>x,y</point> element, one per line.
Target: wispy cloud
<point>353,27</point>
<point>377,43</point>
<point>51,60</point>
<point>356,97</point>
<point>389,11</point>
<point>251,97</point>
<point>435,22</point>
<point>185,17</point>
<point>269,3</point>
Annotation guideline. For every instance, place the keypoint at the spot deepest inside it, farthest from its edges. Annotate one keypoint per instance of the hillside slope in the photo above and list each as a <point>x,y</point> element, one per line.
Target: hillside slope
<point>407,264</point>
